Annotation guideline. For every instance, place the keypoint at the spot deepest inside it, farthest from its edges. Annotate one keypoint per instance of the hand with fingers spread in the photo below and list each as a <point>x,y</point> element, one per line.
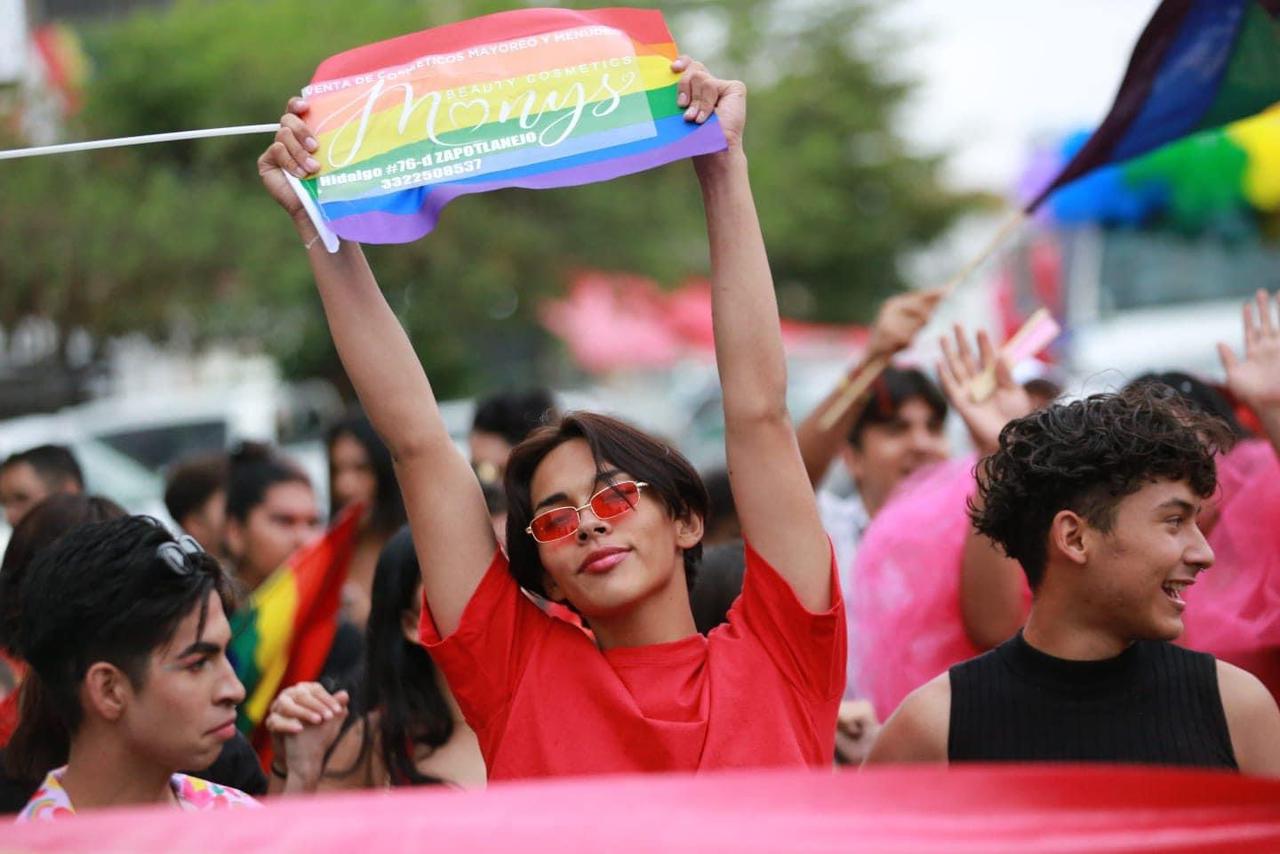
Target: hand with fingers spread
<point>700,94</point>
<point>304,721</point>
<point>1255,379</point>
<point>900,318</point>
<point>291,151</point>
<point>959,368</point>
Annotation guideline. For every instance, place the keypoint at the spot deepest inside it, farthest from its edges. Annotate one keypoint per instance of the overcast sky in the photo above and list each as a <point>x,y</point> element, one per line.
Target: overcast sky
<point>995,73</point>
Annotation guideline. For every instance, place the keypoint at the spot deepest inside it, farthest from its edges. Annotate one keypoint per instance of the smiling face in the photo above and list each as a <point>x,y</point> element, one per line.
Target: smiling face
<point>888,451</point>
<point>185,708</point>
<point>1137,572</point>
<point>608,566</point>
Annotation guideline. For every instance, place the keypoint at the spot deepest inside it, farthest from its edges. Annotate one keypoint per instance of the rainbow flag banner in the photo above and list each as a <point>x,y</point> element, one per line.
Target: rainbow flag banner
<point>283,633</point>
<point>1199,65</point>
<point>532,98</point>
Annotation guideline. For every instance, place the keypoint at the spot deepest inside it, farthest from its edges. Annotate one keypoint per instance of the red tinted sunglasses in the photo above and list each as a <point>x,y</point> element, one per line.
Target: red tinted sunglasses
<point>614,500</point>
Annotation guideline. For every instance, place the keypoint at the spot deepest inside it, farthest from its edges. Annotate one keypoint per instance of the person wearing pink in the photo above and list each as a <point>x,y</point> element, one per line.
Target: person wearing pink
<point>136,669</point>
<point>608,520</point>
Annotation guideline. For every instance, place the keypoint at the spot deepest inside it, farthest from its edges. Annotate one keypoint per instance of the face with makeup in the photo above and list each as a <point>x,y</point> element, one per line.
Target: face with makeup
<point>183,708</point>
<point>1133,577</point>
<point>609,567</point>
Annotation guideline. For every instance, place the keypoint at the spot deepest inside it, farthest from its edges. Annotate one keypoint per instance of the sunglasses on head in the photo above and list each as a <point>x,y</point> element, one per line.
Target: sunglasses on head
<point>175,554</point>
<point>558,523</point>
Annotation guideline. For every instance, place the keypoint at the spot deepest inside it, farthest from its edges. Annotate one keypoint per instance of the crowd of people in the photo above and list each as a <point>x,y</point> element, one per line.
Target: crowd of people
<point>574,598</point>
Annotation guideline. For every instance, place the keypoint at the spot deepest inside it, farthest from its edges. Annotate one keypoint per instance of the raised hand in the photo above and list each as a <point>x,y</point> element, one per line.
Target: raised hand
<point>701,93</point>
<point>957,371</point>
<point>292,152</point>
<point>304,720</point>
<point>1255,379</point>
<point>899,320</point>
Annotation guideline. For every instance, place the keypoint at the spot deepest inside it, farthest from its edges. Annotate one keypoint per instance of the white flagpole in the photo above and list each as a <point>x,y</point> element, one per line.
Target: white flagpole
<point>88,145</point>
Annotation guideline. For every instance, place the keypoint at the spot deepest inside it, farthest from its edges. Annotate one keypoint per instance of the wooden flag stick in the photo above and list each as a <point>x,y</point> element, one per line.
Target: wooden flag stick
<point>856,385</point>
<point>124,141</point>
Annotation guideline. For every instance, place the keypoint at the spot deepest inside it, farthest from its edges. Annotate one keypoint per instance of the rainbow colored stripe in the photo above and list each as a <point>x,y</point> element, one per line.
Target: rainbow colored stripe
<point>533,98</point>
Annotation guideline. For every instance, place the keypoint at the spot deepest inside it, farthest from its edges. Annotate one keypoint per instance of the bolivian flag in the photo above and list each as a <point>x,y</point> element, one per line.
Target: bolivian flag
<point>283,633</point>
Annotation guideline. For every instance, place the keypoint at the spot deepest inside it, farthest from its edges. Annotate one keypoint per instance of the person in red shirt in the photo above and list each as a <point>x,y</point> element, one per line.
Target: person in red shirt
<point>609,520</point>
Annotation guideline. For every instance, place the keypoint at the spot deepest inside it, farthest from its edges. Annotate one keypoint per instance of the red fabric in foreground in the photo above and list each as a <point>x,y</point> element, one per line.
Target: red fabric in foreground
<point>972,809</point>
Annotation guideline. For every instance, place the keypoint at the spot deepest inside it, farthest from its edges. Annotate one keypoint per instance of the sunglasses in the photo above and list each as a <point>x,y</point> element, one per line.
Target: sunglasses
<point>175,554</point>
<point>614,500</point>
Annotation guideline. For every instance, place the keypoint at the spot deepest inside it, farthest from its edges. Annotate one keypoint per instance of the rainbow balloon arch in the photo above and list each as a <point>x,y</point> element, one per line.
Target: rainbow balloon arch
<point>976,808</point>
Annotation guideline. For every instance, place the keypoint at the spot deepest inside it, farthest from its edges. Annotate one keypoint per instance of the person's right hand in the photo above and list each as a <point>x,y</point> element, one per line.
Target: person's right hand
<point>304,720</point>
<point>900,318</point>
<point>291,151</point>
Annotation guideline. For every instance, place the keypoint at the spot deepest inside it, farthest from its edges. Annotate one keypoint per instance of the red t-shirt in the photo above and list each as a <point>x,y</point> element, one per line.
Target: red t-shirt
<point>761,690</point>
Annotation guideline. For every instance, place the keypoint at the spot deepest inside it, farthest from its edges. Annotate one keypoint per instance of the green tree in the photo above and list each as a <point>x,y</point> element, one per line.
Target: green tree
<point>143,238</point>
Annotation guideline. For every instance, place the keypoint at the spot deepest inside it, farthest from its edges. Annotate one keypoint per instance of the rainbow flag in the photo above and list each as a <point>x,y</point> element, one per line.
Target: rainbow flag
<point>532,98</point>
<point>1199,65</point>
<point>283,634</point>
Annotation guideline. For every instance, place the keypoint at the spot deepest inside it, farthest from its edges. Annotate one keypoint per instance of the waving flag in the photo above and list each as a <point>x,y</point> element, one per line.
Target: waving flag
<point>1199,65</point>
<point>533,98</point>
<point>283,634</point>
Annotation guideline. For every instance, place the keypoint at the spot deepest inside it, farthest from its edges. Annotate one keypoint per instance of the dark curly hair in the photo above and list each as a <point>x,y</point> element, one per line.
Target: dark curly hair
<point>672,480</point>
<point>1086,456</point>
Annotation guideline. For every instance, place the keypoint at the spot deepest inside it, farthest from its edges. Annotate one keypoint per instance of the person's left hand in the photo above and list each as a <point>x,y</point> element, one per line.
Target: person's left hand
<point>856,730</point>
<point>1255,379</point>
<point>700,94</point>
<point>958,369</point>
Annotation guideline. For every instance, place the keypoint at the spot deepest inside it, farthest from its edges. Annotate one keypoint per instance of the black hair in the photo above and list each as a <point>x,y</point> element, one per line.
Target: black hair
<point>387,514</point>
<point>102,592</point>
<point>40,740</point>
<point>55,465</point>
<point>400,678</point>
<point>252,469</point>
<point>1086,456</point>
<point>1198,394</point>
<point>192,482</point>
<point>671,478</point>
<point>894,387</point>
<point>513,415</point>
<point>722,513</point>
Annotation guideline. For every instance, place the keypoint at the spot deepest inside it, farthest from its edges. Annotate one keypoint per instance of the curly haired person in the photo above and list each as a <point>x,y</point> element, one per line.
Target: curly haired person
<point>1097,500</point>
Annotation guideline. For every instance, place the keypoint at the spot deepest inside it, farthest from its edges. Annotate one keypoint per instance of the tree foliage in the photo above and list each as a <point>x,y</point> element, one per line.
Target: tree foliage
<point>180,236</point>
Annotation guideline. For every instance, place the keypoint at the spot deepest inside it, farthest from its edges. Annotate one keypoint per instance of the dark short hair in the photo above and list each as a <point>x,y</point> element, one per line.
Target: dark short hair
<point>1086,456</point>
<point>387,513</point>
<point>889,392</point>
<point>1198,394</point>
<point>513,415</point>
<point>53,464</point>
<point>40,528</point>
<point>252,469</point>
<point>103,593</point>
<point>672,480</point>
<point>192,482</point>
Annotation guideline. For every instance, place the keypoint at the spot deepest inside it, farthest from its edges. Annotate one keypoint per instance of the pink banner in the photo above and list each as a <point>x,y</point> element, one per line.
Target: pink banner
<point>972,809</point>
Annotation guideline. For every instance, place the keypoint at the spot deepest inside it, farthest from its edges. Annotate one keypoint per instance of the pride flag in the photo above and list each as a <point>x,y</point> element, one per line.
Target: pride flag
<point>1199,65</point>
<point>532,98</point>
<point>283,634</point>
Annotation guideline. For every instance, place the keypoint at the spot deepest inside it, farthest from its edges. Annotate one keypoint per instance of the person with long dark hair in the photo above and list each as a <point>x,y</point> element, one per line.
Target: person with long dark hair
<point>608,520</point>
<point>411,732</point>
<point>361,470</point>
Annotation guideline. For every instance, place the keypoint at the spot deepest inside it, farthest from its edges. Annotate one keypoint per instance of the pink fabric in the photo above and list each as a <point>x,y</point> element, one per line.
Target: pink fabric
<point>1234,608</point>
<point>904,608</point>
<point>993,810</point>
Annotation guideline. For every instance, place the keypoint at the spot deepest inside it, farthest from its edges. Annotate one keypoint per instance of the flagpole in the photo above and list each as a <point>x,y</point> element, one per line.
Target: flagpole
<point>856,386</point>
<point>121,142</point>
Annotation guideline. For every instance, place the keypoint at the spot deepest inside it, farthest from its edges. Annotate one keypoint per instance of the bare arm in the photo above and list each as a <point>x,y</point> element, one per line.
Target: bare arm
<point>897,323</point>
<point>1252,719</point>
<point>451,529</point>
<point>771,489</point>
<point>992,603</point>
<point>1256,378</point>
<point>918,730</point>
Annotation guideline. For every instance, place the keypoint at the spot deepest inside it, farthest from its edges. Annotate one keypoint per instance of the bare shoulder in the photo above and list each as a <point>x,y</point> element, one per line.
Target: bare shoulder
<point>1253,720</point>
<point>917,731</point>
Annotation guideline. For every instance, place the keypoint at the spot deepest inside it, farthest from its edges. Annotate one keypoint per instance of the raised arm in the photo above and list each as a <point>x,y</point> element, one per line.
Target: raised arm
<point>897,322</point>
<point>1255,379</point>
<point>445,505</point>
<point>771,490</point>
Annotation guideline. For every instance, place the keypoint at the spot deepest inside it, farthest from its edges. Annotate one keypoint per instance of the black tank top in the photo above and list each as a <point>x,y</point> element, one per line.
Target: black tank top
<point>1155,703</point>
